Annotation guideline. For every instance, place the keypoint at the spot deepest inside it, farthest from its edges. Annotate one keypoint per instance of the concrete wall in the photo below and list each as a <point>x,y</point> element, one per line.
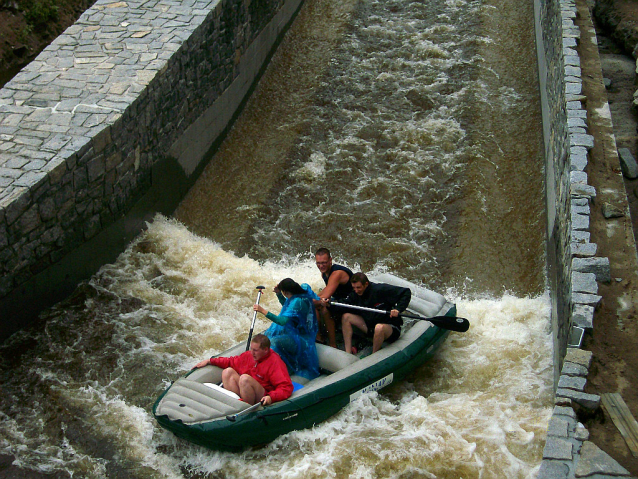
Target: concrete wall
<point>112,123</point>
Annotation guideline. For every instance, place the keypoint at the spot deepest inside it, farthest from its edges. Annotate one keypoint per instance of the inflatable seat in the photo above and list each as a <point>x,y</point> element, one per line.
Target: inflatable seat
<point>192,402</point>
<point>332,359</point>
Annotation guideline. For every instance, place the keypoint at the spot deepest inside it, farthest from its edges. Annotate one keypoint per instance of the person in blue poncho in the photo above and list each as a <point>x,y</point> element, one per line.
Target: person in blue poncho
<point>292,334</point>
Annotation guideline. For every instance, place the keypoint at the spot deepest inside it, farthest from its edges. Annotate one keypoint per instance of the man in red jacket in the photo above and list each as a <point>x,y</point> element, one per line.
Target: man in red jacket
<point>258,375</point>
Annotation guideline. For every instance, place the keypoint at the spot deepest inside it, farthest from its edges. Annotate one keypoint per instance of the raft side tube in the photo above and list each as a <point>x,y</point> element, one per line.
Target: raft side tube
<point>428,302</point>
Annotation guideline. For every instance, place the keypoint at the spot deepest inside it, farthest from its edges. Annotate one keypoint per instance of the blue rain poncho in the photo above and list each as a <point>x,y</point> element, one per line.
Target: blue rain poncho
<point>292,334</point>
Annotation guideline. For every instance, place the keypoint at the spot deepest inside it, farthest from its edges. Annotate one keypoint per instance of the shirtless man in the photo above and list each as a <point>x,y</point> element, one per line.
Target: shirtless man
<point>338,287</point>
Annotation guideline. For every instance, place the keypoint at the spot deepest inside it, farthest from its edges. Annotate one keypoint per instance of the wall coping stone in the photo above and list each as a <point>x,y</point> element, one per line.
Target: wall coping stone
<point>584,283</point>
<point>589,299</point>
<point>598,266</point>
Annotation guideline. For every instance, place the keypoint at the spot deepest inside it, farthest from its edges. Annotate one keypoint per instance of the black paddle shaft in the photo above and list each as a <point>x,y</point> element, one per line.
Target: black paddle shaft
<point>444,322</point>
<point>252,326</point>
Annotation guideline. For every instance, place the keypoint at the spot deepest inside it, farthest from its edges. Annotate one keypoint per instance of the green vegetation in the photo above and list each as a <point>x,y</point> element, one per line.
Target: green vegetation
<point>39,12</point>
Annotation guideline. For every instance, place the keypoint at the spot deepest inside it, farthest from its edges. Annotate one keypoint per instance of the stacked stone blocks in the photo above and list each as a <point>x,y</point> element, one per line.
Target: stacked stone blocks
<point>83,124</point>
<point>555,128</point>
<point>567,452</point>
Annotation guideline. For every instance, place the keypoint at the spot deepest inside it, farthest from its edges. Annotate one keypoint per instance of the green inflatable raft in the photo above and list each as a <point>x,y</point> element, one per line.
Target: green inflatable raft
<point>195,408</point>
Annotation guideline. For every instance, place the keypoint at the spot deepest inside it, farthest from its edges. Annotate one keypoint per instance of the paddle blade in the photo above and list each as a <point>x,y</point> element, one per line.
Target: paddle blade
<point>459,325</point>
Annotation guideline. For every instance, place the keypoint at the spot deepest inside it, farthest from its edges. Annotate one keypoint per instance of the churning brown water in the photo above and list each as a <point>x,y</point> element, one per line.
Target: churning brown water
<point>403,135</point>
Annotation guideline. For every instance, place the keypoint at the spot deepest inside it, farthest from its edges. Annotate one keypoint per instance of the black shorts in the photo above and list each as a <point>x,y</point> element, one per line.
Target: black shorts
<point>396,331</point>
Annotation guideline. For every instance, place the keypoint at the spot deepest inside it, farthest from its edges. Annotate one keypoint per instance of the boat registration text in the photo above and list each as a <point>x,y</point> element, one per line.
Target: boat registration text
<point>375,386</point>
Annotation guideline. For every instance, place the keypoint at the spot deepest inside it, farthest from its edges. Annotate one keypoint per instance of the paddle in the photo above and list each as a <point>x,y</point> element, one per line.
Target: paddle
<point>233,417</point>
<point>444,322</point>
<point>252,326</point>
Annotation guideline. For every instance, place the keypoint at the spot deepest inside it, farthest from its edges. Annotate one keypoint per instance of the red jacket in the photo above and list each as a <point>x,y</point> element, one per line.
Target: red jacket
<point>270,372</point>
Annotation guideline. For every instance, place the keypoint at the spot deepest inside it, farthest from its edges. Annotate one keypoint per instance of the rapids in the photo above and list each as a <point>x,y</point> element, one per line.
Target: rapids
<point>403,135</point>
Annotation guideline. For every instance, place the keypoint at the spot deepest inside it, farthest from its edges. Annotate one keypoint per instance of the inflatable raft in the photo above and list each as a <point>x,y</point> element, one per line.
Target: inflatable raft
<point>195,408</point>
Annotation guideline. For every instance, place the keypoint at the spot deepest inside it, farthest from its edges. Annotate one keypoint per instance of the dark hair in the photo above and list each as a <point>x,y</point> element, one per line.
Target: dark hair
<point>323,251</point>
<point>262,340</point>
<point>359,278</point>
<point>291,286</point>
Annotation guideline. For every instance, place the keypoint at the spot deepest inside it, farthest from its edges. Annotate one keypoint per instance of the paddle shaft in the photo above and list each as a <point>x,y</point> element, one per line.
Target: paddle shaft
<point>444,322</point>
<point>233,417</point>
<point>252,326</point>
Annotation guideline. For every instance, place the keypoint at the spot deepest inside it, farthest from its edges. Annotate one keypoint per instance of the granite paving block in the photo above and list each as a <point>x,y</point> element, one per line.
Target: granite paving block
<point>573,369</point>
<point>557,448</point>
<point>584,283</point>
<point>558,427</point>
<point>588,401</point>
<point>580,236</point>
<point>598,266</point>
<point>593,460</point>
<point>578,189</point>
<point>564,411</point>
<point>579,356</point>
<point>580,222</point>
<point>551,469</point>
<point>583,316</point>
<point>628,163</point>
<point>584,249</point>
<point>576,383</point>
<point>589,299</point>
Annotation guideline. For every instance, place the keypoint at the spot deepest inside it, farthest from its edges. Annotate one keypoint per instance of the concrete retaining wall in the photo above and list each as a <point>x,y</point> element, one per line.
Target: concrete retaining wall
<point>112,123</point>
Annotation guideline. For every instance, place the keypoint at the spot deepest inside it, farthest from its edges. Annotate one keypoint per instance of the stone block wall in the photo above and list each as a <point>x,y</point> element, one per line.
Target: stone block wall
<point>549,41</point>
<point>574,269</point>
<point>93,128</point>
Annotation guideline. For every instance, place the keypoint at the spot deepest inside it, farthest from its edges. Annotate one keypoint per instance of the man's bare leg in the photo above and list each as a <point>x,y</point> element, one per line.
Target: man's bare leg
<point>325,318</point>
<point>332,330</point>
<point>348,320</point>
<point>250,390</point>
<point>381,333</point>
<point>331,327</point>
<point>230,380</point>
<point>320,320</point>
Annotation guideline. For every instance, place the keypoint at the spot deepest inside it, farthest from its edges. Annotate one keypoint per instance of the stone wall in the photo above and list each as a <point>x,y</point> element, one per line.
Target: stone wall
<point>131,98</point>
<point>552,71</point>
<point>574,270</point>
<point>114,121</point>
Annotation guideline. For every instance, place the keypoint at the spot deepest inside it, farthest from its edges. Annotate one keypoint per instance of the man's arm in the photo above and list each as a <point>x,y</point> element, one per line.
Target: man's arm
<point>394,297</point>
<point>336,278</point>
<point>281,382</point>
<point>234,362</point>
<point>403,300</point>
<point>220,362</point>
